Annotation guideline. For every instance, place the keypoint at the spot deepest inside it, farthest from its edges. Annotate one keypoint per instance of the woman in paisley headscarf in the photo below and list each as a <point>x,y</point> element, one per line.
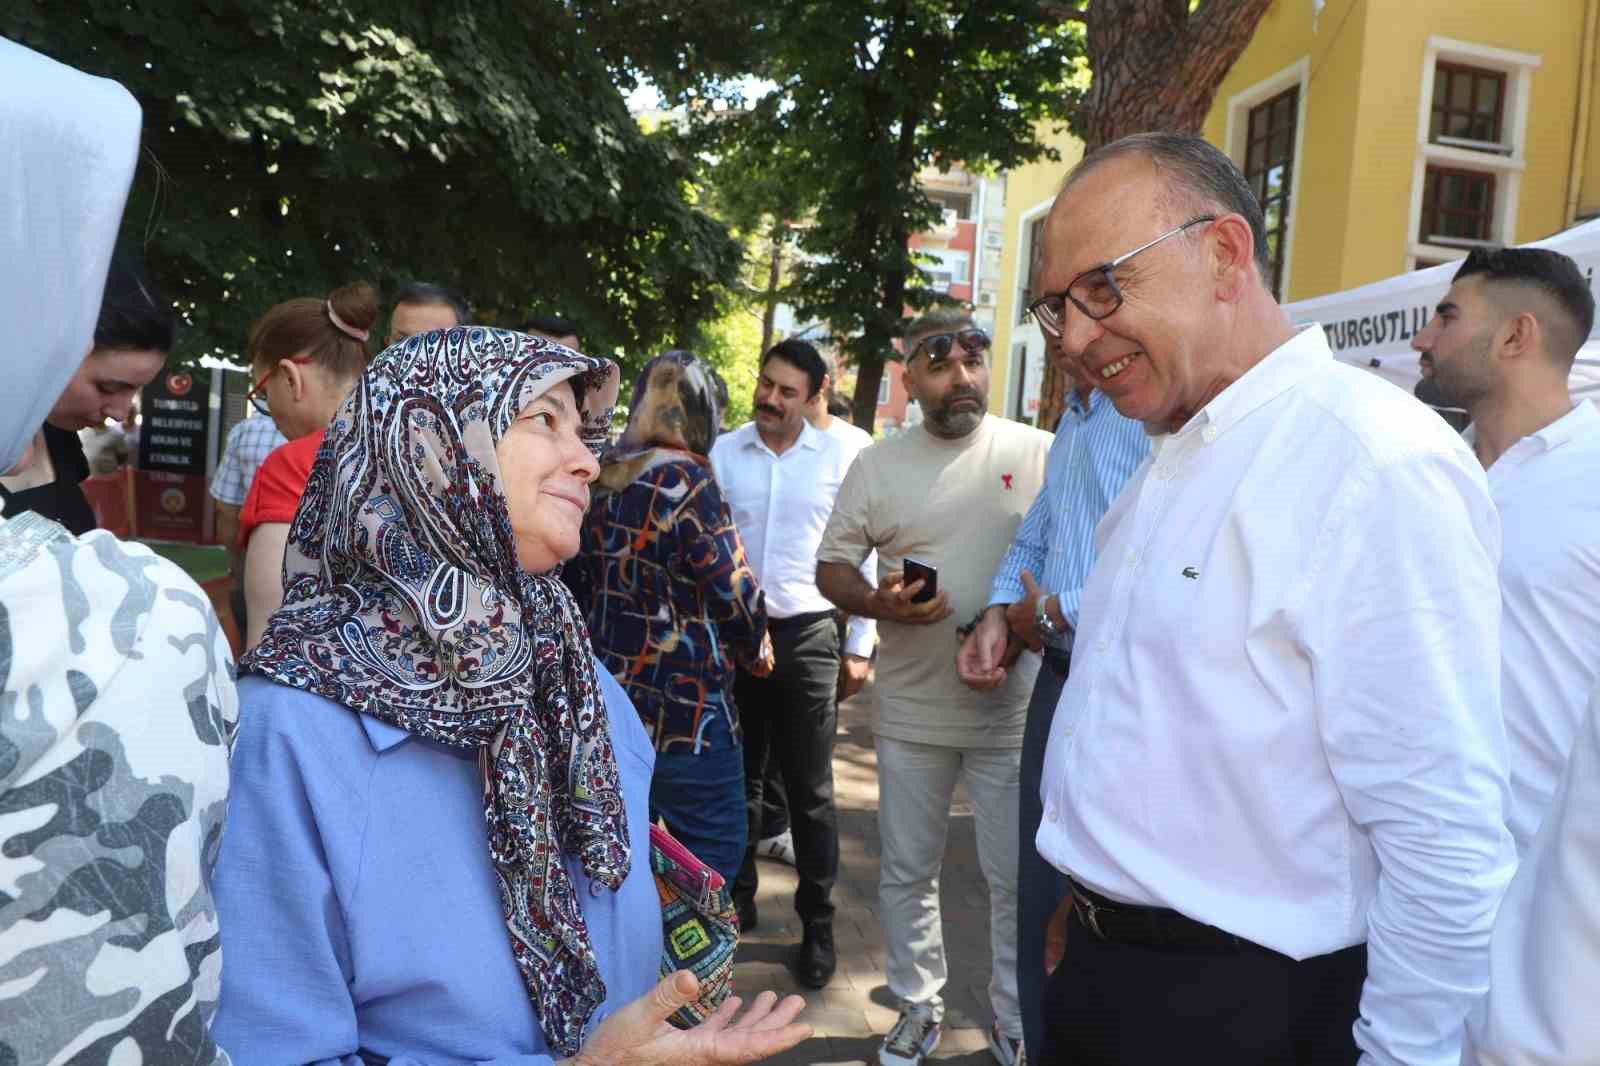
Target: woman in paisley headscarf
<point>438,842</point>
<point>672,604</point>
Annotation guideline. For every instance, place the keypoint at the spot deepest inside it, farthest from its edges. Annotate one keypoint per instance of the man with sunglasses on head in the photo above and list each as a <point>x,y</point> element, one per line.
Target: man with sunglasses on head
<point>950,493</point>
<point>1277,777</point>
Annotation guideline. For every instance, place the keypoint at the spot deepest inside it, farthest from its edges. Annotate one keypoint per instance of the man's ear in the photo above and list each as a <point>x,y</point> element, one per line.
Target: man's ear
<point>1233,256</point>
<point>1523,335</point>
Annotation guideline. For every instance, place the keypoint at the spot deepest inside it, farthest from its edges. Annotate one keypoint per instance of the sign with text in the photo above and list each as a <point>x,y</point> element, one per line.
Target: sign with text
<point>174,430</point>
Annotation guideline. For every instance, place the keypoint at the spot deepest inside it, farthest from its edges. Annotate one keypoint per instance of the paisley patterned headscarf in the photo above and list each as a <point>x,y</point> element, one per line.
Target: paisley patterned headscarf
<point>675,408</point>
<point>404,600</point>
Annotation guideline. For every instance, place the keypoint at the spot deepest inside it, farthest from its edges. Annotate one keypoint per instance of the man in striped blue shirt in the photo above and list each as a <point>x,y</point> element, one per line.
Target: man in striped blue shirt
<point>1095,452</point>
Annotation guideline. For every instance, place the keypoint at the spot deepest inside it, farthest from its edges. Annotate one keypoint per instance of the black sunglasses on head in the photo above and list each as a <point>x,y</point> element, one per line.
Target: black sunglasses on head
<point>938,345</point>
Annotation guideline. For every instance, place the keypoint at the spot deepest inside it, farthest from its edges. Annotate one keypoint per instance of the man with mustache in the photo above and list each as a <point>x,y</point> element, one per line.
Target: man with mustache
<point>779,476</point>
<point>949,492</point>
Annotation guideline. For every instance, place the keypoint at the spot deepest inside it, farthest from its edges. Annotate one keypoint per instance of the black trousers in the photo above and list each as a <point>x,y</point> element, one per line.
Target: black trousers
<point>790,718</point>
<point>1126,1005</point>
<point>1040,886</point>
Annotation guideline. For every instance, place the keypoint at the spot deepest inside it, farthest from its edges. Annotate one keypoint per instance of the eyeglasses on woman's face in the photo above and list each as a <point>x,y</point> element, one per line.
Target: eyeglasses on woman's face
<point>258,392</point>
<point>1095,291</point>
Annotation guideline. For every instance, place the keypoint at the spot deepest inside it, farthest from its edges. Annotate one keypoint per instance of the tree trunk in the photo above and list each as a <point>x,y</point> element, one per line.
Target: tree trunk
<point>769,310</point>
<point>1156,66</point>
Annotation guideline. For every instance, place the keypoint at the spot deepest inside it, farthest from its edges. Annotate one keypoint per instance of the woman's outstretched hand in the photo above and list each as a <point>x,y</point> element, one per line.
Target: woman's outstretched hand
<point>638,1034</point>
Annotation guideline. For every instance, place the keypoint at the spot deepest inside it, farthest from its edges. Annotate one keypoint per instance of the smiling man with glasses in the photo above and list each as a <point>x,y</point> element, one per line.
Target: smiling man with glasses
<point>1276,777</point>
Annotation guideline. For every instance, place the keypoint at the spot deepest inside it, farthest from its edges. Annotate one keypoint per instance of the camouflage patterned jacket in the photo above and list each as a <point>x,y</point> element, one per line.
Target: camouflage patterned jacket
<point>117,711</point>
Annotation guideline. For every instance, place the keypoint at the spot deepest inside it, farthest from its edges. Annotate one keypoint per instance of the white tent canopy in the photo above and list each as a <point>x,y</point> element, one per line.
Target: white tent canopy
<point>1372,326</point>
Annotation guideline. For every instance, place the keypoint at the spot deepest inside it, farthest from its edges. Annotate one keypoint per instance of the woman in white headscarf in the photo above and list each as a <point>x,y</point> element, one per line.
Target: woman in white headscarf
<point>117,703</point>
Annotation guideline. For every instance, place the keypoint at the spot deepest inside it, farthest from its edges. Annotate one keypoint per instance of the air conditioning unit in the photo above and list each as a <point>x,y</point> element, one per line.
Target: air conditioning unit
<point>993,238</point>
<point>985,299</point>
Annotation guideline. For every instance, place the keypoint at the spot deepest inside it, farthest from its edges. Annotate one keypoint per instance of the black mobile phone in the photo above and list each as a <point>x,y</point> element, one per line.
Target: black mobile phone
<point>916,570</point>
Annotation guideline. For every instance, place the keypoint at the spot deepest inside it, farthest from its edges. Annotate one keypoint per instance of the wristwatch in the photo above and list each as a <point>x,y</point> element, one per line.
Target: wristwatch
<point>1042,619</point>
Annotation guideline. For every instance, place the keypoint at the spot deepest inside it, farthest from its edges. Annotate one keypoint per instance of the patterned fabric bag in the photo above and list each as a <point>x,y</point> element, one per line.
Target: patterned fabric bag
<point>699,926</point>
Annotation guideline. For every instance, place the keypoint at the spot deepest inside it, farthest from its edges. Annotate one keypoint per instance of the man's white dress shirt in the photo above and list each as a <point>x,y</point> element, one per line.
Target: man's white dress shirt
<point>1547,489</point>
<point>1544,958</point>
<point>1283,716</point>
<point>781,505</point>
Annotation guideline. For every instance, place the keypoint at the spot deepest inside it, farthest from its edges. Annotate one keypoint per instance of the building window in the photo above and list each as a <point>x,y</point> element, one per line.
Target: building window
<point>1030,255</point>
<point>1468,107</point>
<point>1472,128</point>
<point>883,388</point>
<point>1269,167</point>
<point>1457,207</point>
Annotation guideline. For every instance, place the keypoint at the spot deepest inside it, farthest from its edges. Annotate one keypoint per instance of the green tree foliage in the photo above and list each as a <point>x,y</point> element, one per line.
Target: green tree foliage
<point>291,147</point>
<point>857,97</point>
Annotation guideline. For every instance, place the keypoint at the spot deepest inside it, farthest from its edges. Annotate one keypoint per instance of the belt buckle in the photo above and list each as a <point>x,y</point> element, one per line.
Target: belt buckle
<point>1088,913</point>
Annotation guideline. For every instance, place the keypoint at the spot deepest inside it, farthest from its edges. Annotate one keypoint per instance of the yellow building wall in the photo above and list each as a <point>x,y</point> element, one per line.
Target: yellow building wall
<point>1360,112</point>
<point>1027,188</point>
<point>1364,65</point>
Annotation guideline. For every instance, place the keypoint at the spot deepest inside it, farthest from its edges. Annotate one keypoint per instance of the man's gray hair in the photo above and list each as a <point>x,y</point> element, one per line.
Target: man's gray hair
<point>938,320</point>
<point>1198,179</point>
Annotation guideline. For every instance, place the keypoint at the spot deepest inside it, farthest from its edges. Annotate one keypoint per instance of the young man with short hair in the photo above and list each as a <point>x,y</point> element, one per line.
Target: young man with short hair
<point>1502,343</point>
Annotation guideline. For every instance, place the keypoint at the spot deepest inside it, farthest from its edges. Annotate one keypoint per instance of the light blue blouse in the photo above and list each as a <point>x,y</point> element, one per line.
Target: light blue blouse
<point>359,914</point>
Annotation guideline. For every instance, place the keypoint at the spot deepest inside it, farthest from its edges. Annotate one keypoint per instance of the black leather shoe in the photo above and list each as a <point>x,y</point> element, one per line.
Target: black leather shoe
<point>748,915</point>
<point>817,960</point>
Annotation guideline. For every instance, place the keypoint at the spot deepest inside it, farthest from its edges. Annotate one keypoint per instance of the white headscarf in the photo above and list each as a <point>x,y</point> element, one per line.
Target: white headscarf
<point>68,145</point>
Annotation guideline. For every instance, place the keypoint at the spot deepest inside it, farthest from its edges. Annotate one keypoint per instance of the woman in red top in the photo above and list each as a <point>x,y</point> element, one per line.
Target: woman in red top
<point>305,355</point>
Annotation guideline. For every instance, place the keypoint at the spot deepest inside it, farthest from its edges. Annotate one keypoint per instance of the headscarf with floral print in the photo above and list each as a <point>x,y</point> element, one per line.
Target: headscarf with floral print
<point>404,600</point>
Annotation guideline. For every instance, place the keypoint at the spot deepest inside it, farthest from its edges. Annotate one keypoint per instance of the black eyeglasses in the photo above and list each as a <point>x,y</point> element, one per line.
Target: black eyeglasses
<point>1095,292</point>
<point>938,345</point>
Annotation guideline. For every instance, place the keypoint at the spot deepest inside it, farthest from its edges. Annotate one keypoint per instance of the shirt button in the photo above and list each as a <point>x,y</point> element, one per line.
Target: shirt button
<point>595,888</point>
<point>1133,558</point>
<point>1101,645</point>
<point>1208,434</point>
<point>1050,813</point>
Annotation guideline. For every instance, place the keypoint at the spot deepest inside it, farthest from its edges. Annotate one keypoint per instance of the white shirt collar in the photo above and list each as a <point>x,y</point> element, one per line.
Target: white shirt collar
<point>810,437</point>
<point>1282,368</point>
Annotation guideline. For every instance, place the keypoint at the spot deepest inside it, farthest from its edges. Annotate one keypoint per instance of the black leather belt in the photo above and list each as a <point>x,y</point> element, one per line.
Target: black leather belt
<point>1154,927</point>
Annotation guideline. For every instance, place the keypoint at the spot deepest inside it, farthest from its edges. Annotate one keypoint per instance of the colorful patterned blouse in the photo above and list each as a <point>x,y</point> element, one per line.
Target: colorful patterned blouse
<point>671,601</point>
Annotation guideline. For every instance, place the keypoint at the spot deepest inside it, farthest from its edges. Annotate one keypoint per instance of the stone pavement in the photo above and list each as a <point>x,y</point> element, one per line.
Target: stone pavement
<point>852,1014</point>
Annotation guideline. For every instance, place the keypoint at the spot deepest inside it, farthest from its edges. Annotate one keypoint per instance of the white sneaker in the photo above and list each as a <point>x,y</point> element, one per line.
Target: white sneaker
<point>912,1039</point>
<point>780,847</point>
<point>1006,1051</point>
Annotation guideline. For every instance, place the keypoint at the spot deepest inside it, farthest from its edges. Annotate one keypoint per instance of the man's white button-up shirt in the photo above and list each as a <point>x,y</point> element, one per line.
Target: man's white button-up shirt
<point>1547,489</point>
<point>781,505</point>
<point>1289,726</point>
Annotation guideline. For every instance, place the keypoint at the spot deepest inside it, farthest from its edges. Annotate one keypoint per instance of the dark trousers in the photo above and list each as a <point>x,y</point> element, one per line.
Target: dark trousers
<point>701,798</point>
<point>1040,886</point>
<point>1125,1005</point>
<point>790,717</point>
<point>774,805</point>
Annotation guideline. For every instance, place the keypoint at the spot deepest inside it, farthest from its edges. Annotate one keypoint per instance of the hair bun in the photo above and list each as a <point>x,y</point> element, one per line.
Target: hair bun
<point>356,305</point>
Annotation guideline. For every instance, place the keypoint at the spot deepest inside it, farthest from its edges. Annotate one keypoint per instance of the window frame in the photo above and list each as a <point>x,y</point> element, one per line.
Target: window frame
<point>1505,161</point>
<point>1296,76</point>
<point>1453,69</point>
<point>1266,110</point>
<point>1432,235</point>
